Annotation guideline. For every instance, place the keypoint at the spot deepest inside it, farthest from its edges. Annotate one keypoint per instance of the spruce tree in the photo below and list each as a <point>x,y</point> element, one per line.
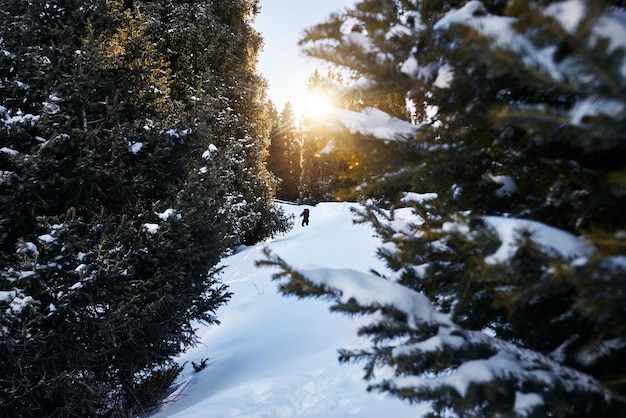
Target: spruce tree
<point>519,110</point>
<point>223,98</point>
<point>117,193</point>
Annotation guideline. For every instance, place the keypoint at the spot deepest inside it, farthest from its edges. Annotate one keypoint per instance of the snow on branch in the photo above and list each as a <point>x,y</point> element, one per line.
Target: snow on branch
<point>374,291</point>
<point>564,243</point>
<point>509,362</point>
<point>569,14</point>
<point>383,299</point>
<point>375,123</point>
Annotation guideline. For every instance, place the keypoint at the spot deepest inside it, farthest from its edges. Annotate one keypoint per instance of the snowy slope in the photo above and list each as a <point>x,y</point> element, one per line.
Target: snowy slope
<point>275,356</point>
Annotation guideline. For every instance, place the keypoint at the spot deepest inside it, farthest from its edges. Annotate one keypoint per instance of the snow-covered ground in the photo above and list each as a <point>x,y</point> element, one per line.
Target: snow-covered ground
<point>275,356</point>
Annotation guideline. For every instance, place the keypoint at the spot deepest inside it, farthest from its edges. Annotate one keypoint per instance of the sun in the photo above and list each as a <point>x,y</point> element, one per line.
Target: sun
<point>316,106</point>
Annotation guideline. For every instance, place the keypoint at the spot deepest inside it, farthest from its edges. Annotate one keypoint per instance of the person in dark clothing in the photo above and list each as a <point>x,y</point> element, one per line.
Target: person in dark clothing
<point>305,217</point>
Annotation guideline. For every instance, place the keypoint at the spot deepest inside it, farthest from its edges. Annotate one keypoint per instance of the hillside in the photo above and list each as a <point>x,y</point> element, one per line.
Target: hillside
<point>274,356</point>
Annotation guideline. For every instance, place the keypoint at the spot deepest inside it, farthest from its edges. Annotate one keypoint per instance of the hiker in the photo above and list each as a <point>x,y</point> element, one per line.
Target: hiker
<point>305,217</point>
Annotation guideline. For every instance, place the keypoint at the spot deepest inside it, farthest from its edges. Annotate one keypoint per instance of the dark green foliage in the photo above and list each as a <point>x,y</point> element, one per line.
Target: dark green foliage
<point>529,124</point>
<point>126,173</point>
<point>222,97</point>
<point>199,366</point>
<point>157,383</point>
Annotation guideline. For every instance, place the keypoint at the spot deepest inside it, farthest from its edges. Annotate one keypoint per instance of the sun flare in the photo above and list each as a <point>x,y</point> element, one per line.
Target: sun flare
<point>316,105</point>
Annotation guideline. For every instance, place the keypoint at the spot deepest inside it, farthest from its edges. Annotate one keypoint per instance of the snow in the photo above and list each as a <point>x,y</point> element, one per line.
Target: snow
<point>8,151</point>
<point>418,197</point>
<point>444,77</point>
<point>169,213</point>
<point>19,118</point>
<point>362,41</point>
<point>77,285</point>
<point>410,67</point>
<point>376,123</point>
<point>151,228</point>
<point>508,188</point>
<point>27,247</point>
<point>588,355</point>
<point>594,106</point>
<point>47,238</point>
<point>275,356</point>
<point>460,16</point>
<point>51,108</point>
<point>7,295</point>
<point>613,28</point>
<point>208,154</point>
<point>525,402</point>
<point>568,13</point>
<point>20,303</point>
<point>565,244</point>
<point>80,268</point>
<point>367,289</point>
<point>178,134</point>
<point>136,147</point>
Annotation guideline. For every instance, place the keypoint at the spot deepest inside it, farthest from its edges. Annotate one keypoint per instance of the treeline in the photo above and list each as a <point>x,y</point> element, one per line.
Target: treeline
<point>308,167</point>
<point>133,136</point>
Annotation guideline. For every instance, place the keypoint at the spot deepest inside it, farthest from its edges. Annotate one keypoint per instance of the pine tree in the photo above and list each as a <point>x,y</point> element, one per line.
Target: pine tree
<point>285,153</point>
<point>519,114</point>
<point>325,157</point>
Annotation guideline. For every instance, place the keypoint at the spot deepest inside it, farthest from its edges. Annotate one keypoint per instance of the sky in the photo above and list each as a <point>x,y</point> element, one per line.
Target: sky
<point>282,23</point>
